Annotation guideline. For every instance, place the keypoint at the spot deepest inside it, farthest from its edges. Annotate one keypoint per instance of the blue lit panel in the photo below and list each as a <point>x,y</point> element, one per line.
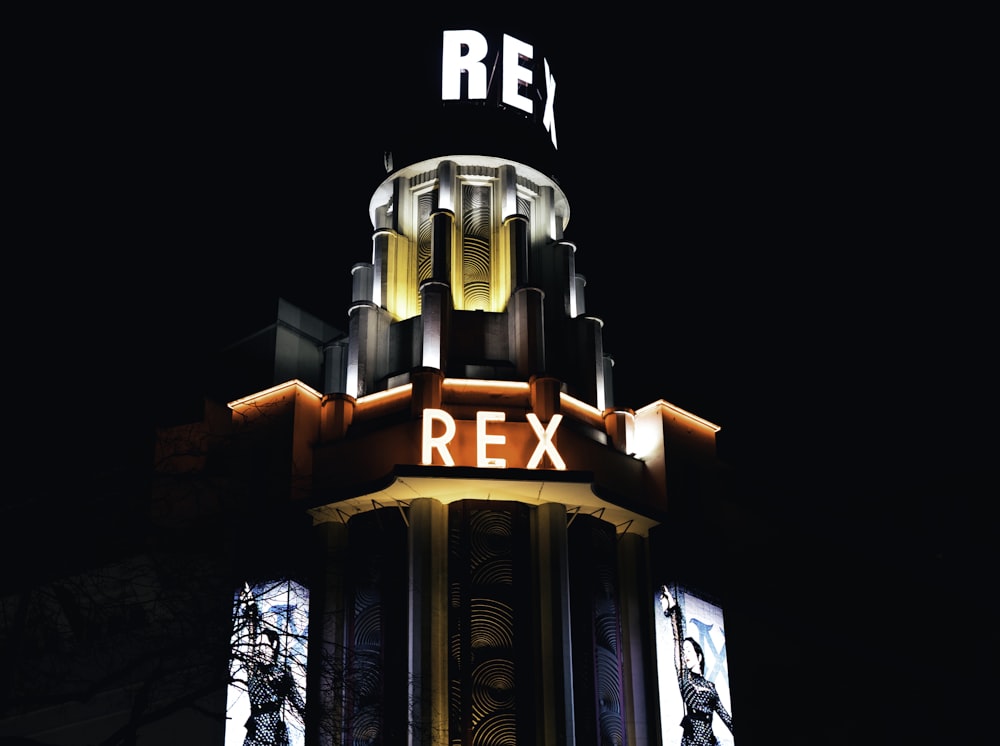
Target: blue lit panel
<point>693,669</point>
<point>267,691</point>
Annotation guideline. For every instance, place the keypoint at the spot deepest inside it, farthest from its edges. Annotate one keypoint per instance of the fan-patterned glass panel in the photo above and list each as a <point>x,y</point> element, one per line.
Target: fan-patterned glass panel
<point>425,206</point>
<point>487,559</point>
<point>524,207</point>
<point>476,212</point>
<point>597,661</point>
<point>375,686</point>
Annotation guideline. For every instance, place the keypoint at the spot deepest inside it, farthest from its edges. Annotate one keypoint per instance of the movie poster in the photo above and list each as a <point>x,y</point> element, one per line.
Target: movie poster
<point>695,704</point>
<point>267,690</point>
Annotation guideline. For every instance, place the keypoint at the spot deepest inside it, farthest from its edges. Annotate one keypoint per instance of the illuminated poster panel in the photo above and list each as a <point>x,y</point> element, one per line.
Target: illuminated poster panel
<point>695,704</point>
<point>267,690</point>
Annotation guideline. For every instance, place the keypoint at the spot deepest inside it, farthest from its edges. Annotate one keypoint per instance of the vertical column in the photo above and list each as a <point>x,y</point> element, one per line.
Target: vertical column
<point>336,412</point>
<point>446,174</point>
<point>428,623</point>
<point>619,424</point>
<point>335,366</point>
<point>435,293</point>
<point>609,380</point>
<point>589,356</point>
<point>364,323</point>
<point>428,385</point>
<point>381,241</point>
<point>579,294</point>
<point>516,226</point>
<point>325,697</point>
<point>517,239</point>
<point>545,401</point>
<point>386,232</point>
<point>553,269</point>
<point>442,240</point>
<point>435,318</point>
<point>555,651</point>
<point>362,349</point>
<point>361,282</point>
<point>598,688</point>
<point>526,330</point>
<point>638,649</point>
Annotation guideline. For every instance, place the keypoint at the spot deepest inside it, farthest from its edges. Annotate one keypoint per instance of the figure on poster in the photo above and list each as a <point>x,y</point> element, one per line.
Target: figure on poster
<point>700,697</point>
<point>272,689</point>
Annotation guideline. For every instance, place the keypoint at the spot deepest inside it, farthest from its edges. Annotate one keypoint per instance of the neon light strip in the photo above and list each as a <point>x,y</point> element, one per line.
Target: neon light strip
<point>478,383</point>
<point>274,390</point>
<point>581,405</point>
<point>397,392</point>
<point>683,413</point>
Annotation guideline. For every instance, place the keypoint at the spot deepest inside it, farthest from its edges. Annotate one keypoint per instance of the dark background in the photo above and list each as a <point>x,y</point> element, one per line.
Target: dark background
<point>775,219</point>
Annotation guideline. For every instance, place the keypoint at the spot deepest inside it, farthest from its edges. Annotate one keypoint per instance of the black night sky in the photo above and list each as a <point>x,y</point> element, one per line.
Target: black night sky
<point>772,225</point>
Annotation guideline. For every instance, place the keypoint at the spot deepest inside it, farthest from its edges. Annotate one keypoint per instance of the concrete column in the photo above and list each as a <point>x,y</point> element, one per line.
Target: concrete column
<point>381,241</point>
<point>526,329</point>
<point>428,622</point>
<point>579,295</point>
<point>638,649</point>
<point>609,381</point>
<point>326,677</point>
<point>427,390</point>
<point>361,282</point>
<point>619,424</point>
<point>589,354</point>
<point>442,238</point>
<point>364,323</point>
<point>335,416</point>
<point>555,655</point>
<point>517,240</point>
<point>554,270</point>
<point>335,367</point>
<point>435,318</point>
<point>545,401</point>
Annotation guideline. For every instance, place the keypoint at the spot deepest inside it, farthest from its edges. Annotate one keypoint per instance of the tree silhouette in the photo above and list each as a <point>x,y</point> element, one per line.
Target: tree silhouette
<point>141,631</point>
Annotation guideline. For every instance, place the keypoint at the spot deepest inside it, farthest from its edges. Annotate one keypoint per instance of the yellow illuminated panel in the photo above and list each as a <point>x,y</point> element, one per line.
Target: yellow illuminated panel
<point>485,385</point>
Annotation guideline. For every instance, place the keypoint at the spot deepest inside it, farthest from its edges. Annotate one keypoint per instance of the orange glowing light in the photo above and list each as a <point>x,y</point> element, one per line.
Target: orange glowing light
<point>274,390</point>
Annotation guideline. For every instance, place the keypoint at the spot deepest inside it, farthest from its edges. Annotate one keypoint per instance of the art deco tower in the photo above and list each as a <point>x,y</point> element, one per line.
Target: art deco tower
<point>485,511</point>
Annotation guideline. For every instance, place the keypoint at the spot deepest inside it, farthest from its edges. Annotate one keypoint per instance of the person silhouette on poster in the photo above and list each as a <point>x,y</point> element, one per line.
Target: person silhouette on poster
<point>700,697</point>
<point>271,687</point>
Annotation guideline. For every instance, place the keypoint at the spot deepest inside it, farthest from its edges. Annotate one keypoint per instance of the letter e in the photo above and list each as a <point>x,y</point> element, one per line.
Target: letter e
<point>514,74</point>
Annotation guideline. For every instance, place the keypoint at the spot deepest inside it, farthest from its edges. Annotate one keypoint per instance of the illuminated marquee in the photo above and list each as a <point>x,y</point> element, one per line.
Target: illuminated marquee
<point>430,443</point>
<point>465,51</point>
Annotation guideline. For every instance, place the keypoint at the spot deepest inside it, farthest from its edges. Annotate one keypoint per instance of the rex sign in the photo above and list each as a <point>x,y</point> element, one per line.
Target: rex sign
<point>491,433</point>
<point>467,52</point>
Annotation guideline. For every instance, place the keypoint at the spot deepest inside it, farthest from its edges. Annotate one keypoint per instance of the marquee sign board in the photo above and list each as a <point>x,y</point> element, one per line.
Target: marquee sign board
<point>491,434</point>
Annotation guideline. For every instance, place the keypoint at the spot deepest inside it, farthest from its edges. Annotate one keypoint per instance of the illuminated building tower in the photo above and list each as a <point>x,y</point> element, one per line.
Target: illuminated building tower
<point>485,509</point>
<point>434,527</point>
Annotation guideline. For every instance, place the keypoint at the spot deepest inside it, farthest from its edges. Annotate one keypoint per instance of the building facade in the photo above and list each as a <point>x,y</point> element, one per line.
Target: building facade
<point>436,526</point>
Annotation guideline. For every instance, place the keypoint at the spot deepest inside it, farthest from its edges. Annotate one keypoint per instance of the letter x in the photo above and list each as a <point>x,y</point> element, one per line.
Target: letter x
<point>549,117</point>
<point>545,444</point>
<point>719,656</point>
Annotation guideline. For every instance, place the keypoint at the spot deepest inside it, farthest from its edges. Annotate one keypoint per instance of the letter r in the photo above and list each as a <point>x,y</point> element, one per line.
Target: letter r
<point>454,63</point>
<point>428,442</point>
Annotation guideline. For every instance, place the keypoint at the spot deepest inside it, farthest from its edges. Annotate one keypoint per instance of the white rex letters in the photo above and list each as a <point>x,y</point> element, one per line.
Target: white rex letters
<point>465,51</point>
<point>429,442</point>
